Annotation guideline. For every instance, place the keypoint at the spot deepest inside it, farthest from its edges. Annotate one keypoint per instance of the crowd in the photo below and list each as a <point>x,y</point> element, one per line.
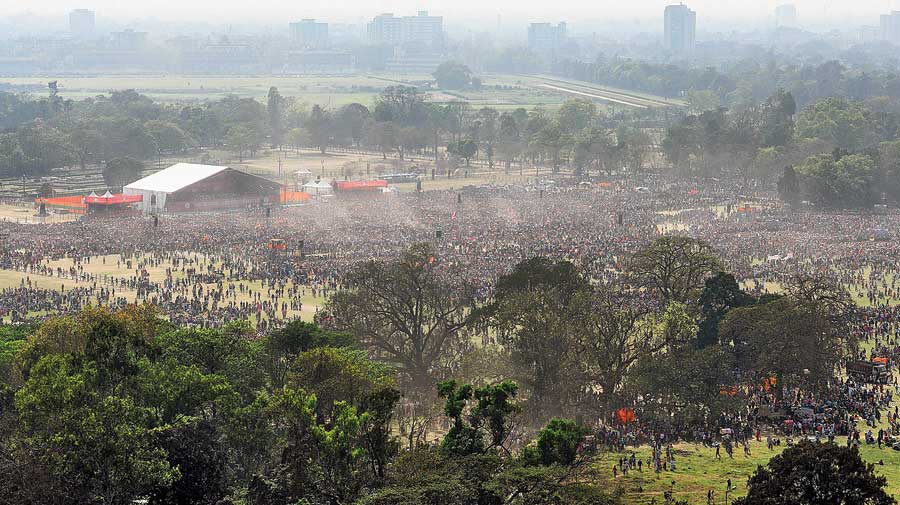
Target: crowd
<point>479,232</point>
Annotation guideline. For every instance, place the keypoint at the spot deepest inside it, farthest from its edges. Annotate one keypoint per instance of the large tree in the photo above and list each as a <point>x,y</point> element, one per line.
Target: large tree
<point>121,171</point>
<point>674,267</point>
<point>453,75</point>
<point>275,115</point>
<point>320,126</point>
<point>532,318</point>
<point>683,387</point>
<point>720,294</point>
<point>816,474</point>
<point>789,186</point>
<point>407,312</point>
<point>612,331</point>
<point>351,122</point>
<point>767,339</point>
<point>841,181</point>
<point>844,124</point>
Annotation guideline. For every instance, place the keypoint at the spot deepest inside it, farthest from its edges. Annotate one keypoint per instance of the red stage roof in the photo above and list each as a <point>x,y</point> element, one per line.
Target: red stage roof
<point>113,199</point>
<point>359,185</point>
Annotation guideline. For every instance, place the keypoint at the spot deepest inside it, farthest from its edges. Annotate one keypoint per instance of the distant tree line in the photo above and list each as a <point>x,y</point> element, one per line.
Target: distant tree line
<point>740,84</point>
<point>47,133</point>
<point>832,153</point>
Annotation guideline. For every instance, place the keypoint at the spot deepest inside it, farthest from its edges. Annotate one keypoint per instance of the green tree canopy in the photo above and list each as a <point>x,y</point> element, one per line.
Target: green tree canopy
<point>453,75</point>
<point>813,474</point>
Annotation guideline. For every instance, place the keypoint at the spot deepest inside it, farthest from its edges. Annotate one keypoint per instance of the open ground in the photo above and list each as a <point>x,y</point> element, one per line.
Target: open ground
<point>498,90</point>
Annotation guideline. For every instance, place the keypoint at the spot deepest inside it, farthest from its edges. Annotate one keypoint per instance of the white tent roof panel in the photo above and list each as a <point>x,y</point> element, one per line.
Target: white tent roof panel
<point>178,176</point>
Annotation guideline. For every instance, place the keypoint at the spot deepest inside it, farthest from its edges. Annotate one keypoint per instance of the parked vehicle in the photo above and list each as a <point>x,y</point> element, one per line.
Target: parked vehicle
<point>868,371</point>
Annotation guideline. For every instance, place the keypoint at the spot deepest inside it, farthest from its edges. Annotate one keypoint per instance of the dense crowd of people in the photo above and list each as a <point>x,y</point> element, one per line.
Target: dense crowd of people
<point>211,259</point>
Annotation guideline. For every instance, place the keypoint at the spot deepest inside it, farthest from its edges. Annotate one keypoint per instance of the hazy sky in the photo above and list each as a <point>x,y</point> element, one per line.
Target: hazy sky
<point>218,11</point>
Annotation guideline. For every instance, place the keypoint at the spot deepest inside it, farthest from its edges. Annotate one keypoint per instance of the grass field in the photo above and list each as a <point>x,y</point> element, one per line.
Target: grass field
<point>500,91</point>
<point>697,471</point>
<point>28,214</point>
<point>13,279</point>
<point>333,90</point>
<point>858,295</point>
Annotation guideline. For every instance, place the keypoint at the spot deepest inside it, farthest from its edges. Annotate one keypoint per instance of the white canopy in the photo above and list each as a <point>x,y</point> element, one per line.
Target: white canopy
<point>179,175</point>
<point>317,187</point>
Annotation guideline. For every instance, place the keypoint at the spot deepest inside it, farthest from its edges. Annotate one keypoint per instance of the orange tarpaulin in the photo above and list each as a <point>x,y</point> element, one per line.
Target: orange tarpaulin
<point>79,204</point>
<point>294,196</point>
<point>359,185</point>
<point>882,360</point>
<point>74,204</point>
<point>63,201</point>
<point>625,415</point>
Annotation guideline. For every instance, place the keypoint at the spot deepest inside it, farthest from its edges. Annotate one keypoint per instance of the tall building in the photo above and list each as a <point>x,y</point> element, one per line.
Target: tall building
<point>867,34</point>
<point>81,23</point>
<point>310,34</point>
<point>422,29</point>
<point>546,38</point>
<point>786,16</point>
<point>890,27</point>
<point>384,30</point>
<point>680,29</point>
<point>128,40</point>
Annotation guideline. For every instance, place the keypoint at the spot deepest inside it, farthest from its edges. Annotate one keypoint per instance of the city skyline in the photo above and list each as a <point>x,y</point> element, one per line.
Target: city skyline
<point>269,11</point>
